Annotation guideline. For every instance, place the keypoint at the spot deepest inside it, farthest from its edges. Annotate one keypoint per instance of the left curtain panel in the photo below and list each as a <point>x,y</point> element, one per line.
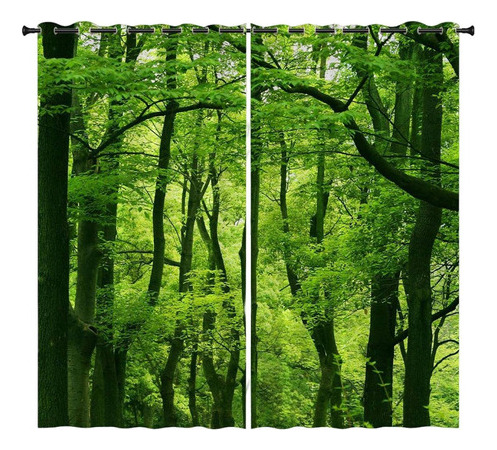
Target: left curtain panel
<point>141,228</point>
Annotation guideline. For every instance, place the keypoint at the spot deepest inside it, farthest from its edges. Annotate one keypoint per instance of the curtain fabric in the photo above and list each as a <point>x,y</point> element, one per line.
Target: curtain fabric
<point>350,296</point>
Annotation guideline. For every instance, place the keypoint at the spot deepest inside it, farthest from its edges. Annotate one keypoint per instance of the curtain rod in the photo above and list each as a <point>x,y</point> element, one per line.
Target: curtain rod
<point>238,30</point>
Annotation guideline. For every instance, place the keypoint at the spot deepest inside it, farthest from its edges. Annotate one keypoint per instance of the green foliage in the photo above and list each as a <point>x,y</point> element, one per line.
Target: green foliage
<point>367,225</point>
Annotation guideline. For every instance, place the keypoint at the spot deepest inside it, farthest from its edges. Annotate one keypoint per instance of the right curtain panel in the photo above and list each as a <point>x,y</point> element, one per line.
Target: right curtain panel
<point>354,204</point>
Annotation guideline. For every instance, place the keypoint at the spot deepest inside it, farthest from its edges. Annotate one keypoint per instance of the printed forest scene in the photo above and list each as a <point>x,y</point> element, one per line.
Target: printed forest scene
<point>141,225</point>
<point>338,254</point>
<point>355,228</point>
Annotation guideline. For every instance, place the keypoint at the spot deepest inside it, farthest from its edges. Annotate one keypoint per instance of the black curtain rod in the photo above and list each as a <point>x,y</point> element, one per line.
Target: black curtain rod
<point>205,30</point>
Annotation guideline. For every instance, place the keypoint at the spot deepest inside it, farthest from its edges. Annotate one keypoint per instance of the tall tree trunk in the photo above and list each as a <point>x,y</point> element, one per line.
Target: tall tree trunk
<point>380,351</point>
<point>323,336</point>
<point>82,342</point>
<point>419,299</point>
<point>148,416</point>
<point>192,386</point>
<point>105,409</point>
<point>403,107</point>
<point>155,282</point>
<point>169,370</point>
<point>222,389</point>
<point>384,286</point>
<point>228,384</point>
<point>158,227</point>
<point>53,243</point>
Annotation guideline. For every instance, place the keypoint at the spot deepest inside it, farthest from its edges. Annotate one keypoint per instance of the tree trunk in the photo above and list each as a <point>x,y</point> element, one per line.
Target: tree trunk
<point>81,340</point>
<point>81,343</point>
<point>105,409</point>
<point>403,107</point>
<point>148,416</point>
<point>222,389</point>
<point>329,393</point>
<point>192,386</point>
<point>380,351</point>
<point>419,299</point>
<point>158,207</point>
<point>80,351</point>
<point>384,287</point>
<point>53,243</point>
<point>167,374</point>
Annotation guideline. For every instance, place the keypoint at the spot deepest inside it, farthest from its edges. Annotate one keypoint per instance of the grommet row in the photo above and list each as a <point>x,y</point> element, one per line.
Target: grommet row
<point>237,30</point>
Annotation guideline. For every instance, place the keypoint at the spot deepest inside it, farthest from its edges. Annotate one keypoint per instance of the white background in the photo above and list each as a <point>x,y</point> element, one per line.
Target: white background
<point>18,219</point>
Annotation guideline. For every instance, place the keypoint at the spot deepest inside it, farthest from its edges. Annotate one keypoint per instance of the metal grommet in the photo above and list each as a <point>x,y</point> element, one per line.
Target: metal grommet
<point>172,30</point>
<point>296,30</point>
<point>430,30</point>
<point>355,30</point>
<point>104,30</point>
<point>200,30</point>
<point>393,30</point>
<point>58,30</point>
<point>325,30</point>
<point>265,30</point>
<point>231,30</point>
<point>132,30</point>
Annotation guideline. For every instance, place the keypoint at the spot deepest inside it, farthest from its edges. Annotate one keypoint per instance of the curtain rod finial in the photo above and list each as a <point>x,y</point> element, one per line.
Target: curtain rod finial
<point>470,30</point>
<point>26,30</point>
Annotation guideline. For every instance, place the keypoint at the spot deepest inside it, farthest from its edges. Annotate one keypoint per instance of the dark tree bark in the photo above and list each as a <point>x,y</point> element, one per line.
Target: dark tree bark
<point>81,342</point>
<point>53,242</point>
<point>380,351</point>
<point>158,207</point>
<point>290,272</point>
<point>403,108</point>
<point>192,386</point>
<point>329,392</point>
<point>166,388</point>
<point>419,299</point>
<point>105,407</point>
<point>385,285</point>
<point>323,333</point>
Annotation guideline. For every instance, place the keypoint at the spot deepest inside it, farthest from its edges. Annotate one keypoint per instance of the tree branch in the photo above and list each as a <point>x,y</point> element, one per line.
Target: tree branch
<point>438,315</point>
<point>142,118</point>
<point>414,186</point>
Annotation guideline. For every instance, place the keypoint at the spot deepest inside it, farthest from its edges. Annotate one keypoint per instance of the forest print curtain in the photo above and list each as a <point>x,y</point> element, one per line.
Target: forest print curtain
<point>344,273</point>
